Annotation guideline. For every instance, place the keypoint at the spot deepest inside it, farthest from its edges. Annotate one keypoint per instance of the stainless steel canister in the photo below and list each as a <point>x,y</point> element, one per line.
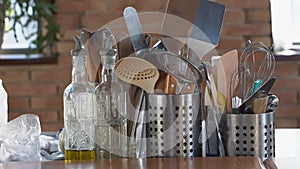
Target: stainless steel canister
<point>249,135</point>
<point>174,125</point>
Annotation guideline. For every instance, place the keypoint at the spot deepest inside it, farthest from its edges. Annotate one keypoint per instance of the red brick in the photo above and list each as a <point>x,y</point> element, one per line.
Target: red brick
<point>229,44</point>
<point>89,20</point>
<point>257,4</point>
<point>53,102</point>
<point>264,39</point>
<point>77,6</point>
<point>68,33</point>
<point>288,110</point>
<point>65,62</point>
<point>61,88</point>
<point>286,123</point>
<point>61,115</point>
<point>140,5</point>
<point>14,76</point>
<point>286,97</point>
<point>287,83</point>
<point>246,29</point>
<point>51,76</point>
<point>64,47</point>
<point>69,20</point>
<point>283,69</point>
<point>49,116</point>
<point>52,127</point>
<point>29,89</point>
<point>45,117</point>
<point>258,16</point>
<point>18,103</point>
<point>13,115</point>
<point>234,17</point>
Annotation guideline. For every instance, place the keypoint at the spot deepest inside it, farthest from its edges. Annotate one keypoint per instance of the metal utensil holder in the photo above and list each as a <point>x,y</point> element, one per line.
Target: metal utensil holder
<point>249,135</point>
<point>174,125</point>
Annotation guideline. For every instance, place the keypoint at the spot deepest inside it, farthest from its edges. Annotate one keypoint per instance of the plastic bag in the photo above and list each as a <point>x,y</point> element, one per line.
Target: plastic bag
<point>19,139</point>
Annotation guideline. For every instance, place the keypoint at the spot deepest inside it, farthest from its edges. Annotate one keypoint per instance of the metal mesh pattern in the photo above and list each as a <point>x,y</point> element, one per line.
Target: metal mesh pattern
<point>249,135</point>
<point>174,125</point>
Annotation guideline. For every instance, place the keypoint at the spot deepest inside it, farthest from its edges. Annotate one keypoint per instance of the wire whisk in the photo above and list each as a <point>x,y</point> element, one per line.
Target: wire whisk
<point>256,64</point>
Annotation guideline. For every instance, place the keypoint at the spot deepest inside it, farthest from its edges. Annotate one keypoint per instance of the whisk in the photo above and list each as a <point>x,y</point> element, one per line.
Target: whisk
<point>257,62</point>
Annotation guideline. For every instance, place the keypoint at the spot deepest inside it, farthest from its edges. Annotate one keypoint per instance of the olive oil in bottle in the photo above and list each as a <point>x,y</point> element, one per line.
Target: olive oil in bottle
<point>79,117</point>
<point>80,155</point>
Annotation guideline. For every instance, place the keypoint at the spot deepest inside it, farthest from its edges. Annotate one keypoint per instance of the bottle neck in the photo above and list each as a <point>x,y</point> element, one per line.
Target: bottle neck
<point>107,73</point>
<point>79,73</point>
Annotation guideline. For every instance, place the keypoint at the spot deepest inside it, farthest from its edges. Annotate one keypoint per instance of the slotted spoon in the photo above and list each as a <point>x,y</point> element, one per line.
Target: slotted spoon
<point>137,71</point>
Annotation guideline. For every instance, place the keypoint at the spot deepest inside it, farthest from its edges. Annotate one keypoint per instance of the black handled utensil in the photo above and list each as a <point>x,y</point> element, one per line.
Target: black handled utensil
<point>265,88</point>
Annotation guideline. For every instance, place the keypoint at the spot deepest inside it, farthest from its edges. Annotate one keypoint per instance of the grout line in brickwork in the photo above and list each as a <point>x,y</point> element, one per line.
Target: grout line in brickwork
<point>298,70</point>
<point>29,75</point>
<point>298,101</point>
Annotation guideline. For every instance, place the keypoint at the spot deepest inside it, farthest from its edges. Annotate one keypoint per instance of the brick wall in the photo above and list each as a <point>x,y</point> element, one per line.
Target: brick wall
<point>38,88</point>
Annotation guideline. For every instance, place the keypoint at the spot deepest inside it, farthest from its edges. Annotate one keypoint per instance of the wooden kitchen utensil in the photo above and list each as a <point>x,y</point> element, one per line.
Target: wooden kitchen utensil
<point>226,67</point>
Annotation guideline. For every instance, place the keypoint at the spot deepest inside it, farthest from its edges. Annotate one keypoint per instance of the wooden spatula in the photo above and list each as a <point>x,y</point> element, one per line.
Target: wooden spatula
<point>226,67</point>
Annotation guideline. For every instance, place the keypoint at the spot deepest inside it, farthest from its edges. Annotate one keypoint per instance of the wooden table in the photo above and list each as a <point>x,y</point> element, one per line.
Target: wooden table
<point>287,149</point>
<point>149,163</point>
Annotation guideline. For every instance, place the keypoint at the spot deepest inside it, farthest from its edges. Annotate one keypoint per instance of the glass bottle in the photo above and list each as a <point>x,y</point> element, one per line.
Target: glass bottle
<point>111,126</point>
<point>3,105</point>
<point>79,116</point>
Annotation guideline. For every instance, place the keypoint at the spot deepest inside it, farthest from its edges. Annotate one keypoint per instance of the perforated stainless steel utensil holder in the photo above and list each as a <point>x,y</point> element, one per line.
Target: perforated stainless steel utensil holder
<point>249,135</point>
<point>174,125</point>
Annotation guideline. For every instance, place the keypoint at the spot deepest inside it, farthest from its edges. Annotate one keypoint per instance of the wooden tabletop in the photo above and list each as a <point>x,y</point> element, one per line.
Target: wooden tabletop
<point>147,163</point>
<point>287,157</point>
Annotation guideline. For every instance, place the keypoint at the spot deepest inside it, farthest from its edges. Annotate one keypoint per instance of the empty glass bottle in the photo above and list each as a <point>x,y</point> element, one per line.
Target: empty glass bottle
<point>111,126</point>
<point>79,116</point>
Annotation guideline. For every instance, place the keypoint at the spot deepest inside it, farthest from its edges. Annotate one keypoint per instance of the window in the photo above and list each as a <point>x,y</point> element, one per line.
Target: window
<point>10,43</point>
<point>285,16</point>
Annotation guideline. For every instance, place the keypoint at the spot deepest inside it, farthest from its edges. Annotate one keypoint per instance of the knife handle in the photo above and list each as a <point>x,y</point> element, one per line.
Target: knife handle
<point>170,85</point>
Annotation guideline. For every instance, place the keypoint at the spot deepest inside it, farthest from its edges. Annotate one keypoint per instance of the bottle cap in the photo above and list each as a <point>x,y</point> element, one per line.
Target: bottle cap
<point>77,50</point>
<point>78,46</point>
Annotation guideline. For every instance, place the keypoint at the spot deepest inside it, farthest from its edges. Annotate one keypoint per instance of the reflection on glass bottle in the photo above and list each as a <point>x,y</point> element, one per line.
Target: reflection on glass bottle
<point>79,116</point>
<point>111,126</point>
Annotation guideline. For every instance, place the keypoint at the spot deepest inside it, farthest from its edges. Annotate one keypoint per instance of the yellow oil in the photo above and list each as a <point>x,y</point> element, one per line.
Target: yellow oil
<point>74,155</point>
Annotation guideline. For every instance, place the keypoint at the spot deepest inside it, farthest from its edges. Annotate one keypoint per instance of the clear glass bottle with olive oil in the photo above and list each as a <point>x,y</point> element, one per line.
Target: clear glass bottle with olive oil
<point>79,116</point>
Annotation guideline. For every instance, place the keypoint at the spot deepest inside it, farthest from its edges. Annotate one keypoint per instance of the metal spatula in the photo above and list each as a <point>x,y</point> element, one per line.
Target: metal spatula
<point>201,37</point>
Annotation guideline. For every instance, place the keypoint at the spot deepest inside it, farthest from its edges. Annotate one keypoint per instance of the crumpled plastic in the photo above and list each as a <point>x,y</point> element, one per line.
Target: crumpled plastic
<point>50,148</point>
<point>19,139</point>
